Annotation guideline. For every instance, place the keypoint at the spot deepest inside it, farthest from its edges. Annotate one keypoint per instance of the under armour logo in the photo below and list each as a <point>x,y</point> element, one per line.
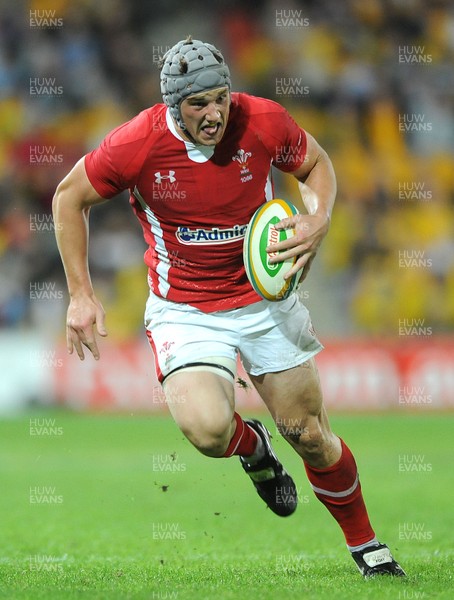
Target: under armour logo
<point>171,177</point>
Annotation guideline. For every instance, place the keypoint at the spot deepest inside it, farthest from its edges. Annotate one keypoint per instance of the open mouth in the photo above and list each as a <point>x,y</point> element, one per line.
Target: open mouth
<point>211,130</point>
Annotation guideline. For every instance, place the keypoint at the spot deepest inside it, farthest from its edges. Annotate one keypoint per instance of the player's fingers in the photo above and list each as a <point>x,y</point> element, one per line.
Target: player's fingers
<point>76,343</point>
<point>298,222</point>
<point>284,245</point>
<point>287,243</point>
<point>286,223</point>
<point>69,342</point>
<point>302,263</point>
<point>298,241</point>
<point>84,336</point>
<point>93,347</point>
<point>306,268</point>
<point>87,338</point>
<point>100,325</point>
<point>301,249</point>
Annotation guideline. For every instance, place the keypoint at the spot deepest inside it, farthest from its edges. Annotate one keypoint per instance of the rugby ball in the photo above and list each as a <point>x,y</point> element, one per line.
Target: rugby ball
<point>268,279</point>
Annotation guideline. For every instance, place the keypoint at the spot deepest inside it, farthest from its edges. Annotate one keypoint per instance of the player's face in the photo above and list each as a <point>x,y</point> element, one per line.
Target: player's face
<point>205,115</point>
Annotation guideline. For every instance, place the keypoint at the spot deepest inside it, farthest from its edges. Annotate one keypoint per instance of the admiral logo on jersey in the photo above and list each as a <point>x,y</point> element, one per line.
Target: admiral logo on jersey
<point>215,235</point>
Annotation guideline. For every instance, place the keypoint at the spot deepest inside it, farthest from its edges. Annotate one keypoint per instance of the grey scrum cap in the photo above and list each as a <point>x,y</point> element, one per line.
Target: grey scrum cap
<point>191,67</point>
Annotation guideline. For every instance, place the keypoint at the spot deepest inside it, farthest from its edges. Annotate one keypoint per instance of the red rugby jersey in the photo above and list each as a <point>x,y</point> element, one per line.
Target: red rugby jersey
<point>194,201</point>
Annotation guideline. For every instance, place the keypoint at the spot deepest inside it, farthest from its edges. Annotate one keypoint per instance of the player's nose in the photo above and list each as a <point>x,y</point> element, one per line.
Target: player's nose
<point>212,112</point>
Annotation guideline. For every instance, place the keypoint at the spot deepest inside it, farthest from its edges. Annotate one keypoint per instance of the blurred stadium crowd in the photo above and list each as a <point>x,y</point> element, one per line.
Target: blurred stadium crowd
<point>372,81</point>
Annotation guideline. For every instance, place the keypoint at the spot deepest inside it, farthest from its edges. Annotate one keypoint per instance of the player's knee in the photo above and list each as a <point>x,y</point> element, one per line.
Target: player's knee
<point>210,439</point>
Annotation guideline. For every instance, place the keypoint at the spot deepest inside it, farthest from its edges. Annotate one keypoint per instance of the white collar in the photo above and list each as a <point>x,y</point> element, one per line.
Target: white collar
<point>196,152</point>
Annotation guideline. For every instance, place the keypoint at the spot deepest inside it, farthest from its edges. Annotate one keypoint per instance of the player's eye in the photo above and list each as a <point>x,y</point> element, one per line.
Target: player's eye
<point>196,103</point>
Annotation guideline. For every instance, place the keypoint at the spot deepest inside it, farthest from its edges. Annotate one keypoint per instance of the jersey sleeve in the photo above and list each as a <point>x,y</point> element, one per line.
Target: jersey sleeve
<point>285,140</point>
<point>291,152</point>
<point>114,165</point>
<point>102,172</point>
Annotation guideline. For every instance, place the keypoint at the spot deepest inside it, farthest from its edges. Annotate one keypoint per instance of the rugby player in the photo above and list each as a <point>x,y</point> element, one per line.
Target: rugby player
<point>197,167</point>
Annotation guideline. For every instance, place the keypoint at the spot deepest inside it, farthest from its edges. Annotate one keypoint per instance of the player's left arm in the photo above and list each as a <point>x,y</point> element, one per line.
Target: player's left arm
<point>317,186</point>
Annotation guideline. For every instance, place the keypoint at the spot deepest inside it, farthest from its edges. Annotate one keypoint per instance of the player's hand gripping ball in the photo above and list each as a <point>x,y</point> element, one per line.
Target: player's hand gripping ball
<point>268,279</point>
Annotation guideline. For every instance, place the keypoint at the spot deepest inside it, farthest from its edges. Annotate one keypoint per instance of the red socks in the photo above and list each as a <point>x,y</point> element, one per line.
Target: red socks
<point>338,488</point>
<point>244,440</point>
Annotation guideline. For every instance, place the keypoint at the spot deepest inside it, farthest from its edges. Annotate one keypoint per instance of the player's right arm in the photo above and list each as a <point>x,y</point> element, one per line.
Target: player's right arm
<point>71,205</point>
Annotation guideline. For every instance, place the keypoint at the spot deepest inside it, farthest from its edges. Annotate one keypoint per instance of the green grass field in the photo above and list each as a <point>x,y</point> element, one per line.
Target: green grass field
<point>123,507</point>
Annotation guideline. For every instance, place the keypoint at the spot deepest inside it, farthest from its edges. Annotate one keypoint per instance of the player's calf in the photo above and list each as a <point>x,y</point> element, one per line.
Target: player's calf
<point>317,447</point>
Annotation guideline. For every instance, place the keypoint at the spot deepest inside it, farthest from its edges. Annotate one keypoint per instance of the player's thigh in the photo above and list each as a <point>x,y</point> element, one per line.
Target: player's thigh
<point>202,404</point>
<point>294,399</point>
<point>181,335</point>
<point>294,391</point>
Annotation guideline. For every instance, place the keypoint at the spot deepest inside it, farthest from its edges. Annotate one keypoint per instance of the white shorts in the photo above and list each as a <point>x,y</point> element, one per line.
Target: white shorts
<point>268,336</point>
